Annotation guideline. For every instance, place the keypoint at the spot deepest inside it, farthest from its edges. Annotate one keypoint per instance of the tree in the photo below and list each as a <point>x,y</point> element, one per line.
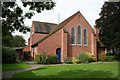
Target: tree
<point>14,41</point>
<point>18,41</point>
<point>108,25</point>
<point>13,17</point>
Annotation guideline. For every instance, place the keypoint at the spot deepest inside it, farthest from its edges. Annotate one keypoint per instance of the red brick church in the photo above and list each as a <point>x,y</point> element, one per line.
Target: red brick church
<point>67,39</point>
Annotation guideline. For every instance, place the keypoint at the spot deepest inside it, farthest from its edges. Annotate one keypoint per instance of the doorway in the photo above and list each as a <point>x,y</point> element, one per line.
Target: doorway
<point>58,53</point>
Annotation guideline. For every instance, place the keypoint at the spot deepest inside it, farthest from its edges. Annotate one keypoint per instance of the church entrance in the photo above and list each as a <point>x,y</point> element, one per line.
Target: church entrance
<point>58,53</point>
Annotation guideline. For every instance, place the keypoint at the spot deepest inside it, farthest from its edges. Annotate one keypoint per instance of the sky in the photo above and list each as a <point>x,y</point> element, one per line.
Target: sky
<point>90,9</point>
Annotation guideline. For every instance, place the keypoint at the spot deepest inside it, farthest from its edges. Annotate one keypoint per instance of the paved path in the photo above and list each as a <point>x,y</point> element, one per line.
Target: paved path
<point>8,74</point>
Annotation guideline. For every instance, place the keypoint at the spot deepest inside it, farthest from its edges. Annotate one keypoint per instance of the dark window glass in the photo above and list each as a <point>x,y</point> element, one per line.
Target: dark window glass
<point>85,37</point>
<point>79,35</point>
<point>72,35</point>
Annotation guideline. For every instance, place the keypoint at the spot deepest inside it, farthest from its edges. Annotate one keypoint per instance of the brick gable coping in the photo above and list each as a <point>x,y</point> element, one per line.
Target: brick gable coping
<point>61,25</point>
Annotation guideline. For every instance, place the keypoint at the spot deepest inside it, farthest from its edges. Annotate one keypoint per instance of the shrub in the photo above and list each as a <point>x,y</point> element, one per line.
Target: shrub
<point>101,57</point>
<point>68,60</point>
<point>91,57</point>
<point>44,58</point>
<point>75,61</point>
<point>37,58</point>
<point>86,57</point>
<point>83,57</point>
<point>8,55</point>
<point>52,59</point>
<point>41,58</point>
<point>110,58</point>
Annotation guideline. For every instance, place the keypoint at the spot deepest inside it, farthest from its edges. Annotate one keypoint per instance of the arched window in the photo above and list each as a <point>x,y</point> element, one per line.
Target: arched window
<point>72,35</point>
<point>85,37</point>
<point>79,35</point>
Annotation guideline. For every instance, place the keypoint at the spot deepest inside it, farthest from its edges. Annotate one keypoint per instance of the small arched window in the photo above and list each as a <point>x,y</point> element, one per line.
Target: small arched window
<point>79,35</point>
<point>85,37</point>
<point>72,35</point>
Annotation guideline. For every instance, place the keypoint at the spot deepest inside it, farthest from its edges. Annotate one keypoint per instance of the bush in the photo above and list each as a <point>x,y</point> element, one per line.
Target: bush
<point>52,59</point>
<point>68,60</point>
<point>8,55</point>
<point>86,57</point>
<point>37,58</point>
<point>44,58</point>
<point>41,58</point>
<point>75,61</point>
<point>110,58</point>
<point>101,57</point>
<point>91,57</point>
<point>83,57</point>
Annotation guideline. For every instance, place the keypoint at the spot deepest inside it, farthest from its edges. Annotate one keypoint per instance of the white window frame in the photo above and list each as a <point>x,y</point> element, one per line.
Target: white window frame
<point>81,35</point>
<point>87,36</point>
<point>71,35</point>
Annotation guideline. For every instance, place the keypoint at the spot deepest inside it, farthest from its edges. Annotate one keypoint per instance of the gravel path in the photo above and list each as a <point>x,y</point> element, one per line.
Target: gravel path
<point>8,74</point>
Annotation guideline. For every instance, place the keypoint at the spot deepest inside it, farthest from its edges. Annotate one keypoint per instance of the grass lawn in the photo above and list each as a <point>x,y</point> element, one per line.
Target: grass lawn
<point>92,70</point>
<point>16,66</point>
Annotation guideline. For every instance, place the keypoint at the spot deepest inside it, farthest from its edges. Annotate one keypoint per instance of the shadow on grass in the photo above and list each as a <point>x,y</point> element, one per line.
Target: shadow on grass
<point>80,74</point>
<point>65,74</point>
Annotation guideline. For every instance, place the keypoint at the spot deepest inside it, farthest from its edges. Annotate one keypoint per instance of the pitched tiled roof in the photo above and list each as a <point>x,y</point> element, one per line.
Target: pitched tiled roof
<point>61,25</point>
<point>43,27</point>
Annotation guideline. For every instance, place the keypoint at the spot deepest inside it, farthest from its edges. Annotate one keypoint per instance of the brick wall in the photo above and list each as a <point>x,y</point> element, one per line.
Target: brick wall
<point>50,44</point>
<point>58,40</point>
<point>74,50</point>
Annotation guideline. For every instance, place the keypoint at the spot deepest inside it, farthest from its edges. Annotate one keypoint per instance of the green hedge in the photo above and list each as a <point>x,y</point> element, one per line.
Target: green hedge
<point>8,55</point>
